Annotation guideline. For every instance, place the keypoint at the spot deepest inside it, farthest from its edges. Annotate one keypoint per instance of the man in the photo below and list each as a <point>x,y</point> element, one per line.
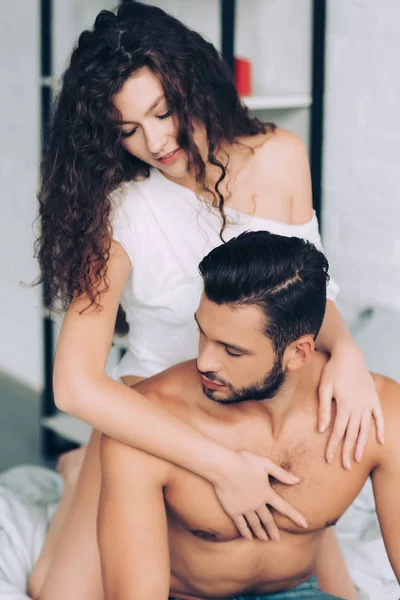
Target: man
<point>253,388</point>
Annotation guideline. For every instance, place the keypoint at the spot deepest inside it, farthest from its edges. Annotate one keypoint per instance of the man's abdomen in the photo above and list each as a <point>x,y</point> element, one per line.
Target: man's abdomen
<point>223,569</point>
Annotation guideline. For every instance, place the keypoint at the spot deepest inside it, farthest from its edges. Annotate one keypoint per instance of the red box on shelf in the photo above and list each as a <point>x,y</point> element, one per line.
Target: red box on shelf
<point>243,76</point>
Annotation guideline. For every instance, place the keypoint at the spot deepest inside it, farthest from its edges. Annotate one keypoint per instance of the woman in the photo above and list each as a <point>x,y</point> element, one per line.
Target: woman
<point>152,161</point>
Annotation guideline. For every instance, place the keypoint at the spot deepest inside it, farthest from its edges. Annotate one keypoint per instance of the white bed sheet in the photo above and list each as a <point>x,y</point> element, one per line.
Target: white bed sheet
<point>28,499</point>
<point>362,545</point>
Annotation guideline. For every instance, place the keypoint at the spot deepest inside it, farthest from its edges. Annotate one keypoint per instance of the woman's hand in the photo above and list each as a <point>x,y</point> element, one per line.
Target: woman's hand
<point>346,378</point>
<point>244,492</point>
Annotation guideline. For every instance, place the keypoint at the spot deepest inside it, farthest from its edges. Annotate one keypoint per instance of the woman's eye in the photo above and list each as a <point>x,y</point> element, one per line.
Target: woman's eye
<point>126,134</point>
<point>233,353</point>
<point>165,115</point>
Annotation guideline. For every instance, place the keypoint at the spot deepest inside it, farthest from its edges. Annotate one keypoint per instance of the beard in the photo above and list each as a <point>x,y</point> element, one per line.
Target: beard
<point>265,389</point>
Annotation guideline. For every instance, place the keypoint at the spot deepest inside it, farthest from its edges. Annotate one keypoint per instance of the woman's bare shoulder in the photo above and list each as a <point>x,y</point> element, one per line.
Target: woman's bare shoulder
<point>280,175</point>
<point>287,157</point>
<point>278,141</point>
<point>281,148</point>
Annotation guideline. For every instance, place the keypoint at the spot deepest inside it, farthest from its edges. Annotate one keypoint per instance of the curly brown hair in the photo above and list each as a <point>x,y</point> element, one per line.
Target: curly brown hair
<point>85,160</point>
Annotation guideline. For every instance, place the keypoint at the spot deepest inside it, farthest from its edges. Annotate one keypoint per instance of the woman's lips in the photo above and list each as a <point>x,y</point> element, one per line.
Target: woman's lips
<point>170,158</point>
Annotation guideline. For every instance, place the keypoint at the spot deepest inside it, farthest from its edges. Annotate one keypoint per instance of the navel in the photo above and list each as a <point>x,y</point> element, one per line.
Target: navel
<point>331,523</point>
<point>210,536</point>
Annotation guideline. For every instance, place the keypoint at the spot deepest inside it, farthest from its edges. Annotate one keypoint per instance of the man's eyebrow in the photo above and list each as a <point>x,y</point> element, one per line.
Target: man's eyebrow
<point>226,344</point>
<point>152,107</point>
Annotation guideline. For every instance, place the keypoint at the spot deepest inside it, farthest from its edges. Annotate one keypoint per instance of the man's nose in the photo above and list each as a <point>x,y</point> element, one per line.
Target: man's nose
<point>207,361</point>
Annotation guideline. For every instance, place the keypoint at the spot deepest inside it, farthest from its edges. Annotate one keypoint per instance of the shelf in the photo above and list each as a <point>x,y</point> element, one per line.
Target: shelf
<point>68,427</point>
<point>277,102</point>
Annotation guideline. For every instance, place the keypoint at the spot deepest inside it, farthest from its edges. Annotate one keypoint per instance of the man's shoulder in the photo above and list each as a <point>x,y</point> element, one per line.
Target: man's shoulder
<point>173,387</point>
<point>388,391</point>
<point>389,394</point>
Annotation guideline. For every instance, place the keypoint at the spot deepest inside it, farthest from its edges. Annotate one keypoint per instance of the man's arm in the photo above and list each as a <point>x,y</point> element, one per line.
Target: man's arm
<point>386,475</point>
<point>132,524</point>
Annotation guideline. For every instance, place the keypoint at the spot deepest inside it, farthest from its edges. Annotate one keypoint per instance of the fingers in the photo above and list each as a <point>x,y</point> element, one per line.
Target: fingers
<point>288,511</point>
<point>355,431</point>
<point>352,433</point>
<point>256,527</point>
<point>325,393</point>
<point>242,526</point>
<point>268,522</point>
<point>339,428</point>
<point>379,421</point>
<point>363,435</point>
<point>262,524</point>
<point>279,473</point>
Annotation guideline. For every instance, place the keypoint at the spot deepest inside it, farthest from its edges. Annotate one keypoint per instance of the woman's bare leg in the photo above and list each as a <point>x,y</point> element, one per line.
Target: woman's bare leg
<point>69,466</point>
<point>74,570</point>
<point>332,573</point>
<point>71,542</point>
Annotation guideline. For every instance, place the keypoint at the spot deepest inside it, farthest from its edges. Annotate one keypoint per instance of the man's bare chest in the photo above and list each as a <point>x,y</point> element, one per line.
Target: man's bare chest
<point>322,496</point>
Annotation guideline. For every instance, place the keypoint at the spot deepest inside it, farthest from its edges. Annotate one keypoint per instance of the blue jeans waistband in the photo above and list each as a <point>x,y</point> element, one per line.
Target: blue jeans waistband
<point>308,590</point>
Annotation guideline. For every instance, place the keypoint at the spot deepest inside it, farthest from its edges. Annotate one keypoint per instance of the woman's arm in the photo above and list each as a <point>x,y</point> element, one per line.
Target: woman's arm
<point>347,379</point>
<point>83,390</point>
<point>334,331</point>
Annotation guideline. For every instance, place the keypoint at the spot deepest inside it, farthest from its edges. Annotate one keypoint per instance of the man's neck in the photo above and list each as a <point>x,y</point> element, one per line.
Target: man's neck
<point>296,394</point>
<point>291,398</point>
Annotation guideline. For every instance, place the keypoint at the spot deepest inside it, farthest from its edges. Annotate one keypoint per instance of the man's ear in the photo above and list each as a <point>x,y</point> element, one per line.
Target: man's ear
<point>299,352</point>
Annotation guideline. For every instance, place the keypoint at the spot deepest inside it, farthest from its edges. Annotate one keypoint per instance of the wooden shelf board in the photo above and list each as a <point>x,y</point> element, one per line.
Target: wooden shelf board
<point>275,101</point>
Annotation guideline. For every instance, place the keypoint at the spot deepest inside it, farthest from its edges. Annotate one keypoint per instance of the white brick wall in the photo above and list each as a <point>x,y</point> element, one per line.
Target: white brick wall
<point>361,220</point>
<point>20,317</point>
<point>21,343</point>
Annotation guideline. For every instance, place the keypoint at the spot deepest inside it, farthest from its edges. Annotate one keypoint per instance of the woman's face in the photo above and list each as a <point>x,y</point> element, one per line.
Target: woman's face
<point>150,130</point>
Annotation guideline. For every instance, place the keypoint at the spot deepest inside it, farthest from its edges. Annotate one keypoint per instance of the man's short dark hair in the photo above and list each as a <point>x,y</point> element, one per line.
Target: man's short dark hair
<point>285,276</point>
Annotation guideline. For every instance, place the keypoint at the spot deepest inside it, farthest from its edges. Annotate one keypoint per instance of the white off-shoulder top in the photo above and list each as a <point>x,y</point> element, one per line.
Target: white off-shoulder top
<point>166,230</point>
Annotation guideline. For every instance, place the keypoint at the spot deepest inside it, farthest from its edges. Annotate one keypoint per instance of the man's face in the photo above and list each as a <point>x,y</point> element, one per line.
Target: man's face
<point>236,360</point>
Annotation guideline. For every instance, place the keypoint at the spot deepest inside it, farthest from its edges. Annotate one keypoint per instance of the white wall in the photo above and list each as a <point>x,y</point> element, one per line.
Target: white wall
<point>362,151</point>
<point>20,316</point>
<point>21,343</point>
<point>70,18</point>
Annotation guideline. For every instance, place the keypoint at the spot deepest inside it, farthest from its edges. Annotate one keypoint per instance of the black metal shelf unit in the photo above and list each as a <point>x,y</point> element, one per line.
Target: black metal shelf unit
<point>52,443</point>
